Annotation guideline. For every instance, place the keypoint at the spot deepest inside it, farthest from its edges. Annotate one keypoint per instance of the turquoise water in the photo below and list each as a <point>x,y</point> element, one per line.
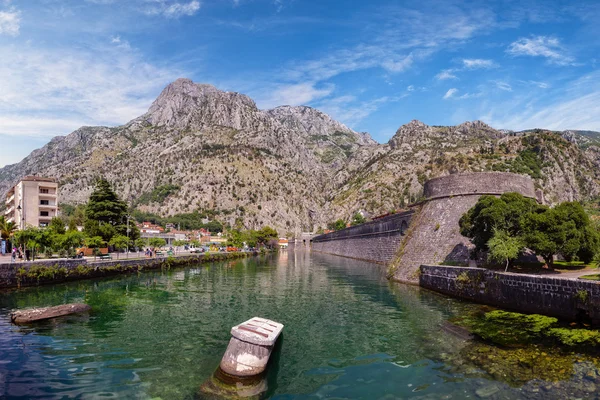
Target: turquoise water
<point>349,334</point>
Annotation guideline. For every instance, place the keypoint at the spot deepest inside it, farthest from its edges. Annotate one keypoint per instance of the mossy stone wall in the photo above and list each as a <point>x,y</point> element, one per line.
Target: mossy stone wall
<point>563,298</point>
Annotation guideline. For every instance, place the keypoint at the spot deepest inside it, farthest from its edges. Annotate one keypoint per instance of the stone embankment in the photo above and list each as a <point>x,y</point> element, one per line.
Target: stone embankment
<point>55,271</point>
<point>568,299</point>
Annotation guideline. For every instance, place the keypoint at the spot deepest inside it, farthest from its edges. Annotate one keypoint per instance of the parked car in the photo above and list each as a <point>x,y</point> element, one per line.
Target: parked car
<point>88,251</point>
<point>196,250</point>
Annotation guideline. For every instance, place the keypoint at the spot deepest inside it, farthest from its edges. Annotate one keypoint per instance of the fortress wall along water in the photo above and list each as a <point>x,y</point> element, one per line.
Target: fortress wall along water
<point>434,237</point>
<point>563,298</point>
<point>429,233</point>
<point>375,241</point>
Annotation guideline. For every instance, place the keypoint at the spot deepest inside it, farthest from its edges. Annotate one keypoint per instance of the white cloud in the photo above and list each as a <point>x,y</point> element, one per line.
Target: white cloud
<point>10,22</point>
<point>49,91</point>
<point>446,74</point>
<point>577,106</point>
<point>478,63</point>
<point>541,46</point>
<point>470,95</point>
<point>541,85</point>
<point>450,93</point>
<point>350,111</point>
<point>503,86</point>
<point>172,9</point>
<point>410,88</point>
<point>294,94</point>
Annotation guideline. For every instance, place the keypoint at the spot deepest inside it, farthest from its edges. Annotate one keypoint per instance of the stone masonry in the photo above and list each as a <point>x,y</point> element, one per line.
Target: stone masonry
<point>434,237</point>
<point>563,298</point>
<point>375,241</point>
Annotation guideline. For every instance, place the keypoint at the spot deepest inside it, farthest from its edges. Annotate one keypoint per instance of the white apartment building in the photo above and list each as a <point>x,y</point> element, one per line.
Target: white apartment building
<point>32,202</point>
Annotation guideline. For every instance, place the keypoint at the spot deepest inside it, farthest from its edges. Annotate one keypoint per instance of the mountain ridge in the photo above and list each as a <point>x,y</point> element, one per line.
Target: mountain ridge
<point>292,167</point>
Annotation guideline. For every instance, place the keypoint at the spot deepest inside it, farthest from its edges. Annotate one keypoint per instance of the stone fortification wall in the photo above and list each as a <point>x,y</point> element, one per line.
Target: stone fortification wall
<point>375,241</point>
<point>434,237</point>
<point>478,183</point>
<point>558,297</point>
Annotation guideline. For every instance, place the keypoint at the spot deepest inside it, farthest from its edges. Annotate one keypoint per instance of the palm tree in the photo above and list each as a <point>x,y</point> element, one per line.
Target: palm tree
<point>7,229</point>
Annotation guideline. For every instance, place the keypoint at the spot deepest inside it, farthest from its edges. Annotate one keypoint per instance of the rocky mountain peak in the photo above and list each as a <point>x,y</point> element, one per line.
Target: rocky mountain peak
<point>309,121</point>
<point>185,104</point>
<point>408,132</point>
<point>477,128</point>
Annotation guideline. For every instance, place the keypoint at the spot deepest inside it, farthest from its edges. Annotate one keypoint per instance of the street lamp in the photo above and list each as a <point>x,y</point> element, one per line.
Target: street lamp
<point>128,216</point>
<point>19,208</point>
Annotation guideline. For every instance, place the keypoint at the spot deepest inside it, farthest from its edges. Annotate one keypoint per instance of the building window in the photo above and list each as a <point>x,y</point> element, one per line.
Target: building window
<point>45,202</point>
<point>43,224</point>
<point>44,191</point>
<point>44,214</point>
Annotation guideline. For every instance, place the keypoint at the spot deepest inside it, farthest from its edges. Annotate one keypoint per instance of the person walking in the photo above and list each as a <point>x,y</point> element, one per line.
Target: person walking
<point>13,257</point>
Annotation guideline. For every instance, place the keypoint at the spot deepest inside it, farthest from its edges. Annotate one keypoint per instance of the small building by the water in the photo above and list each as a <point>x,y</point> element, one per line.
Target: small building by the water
<point>32,202</point>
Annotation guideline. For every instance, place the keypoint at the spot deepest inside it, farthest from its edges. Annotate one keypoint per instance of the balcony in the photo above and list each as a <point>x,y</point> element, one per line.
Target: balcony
<point>10,199</point>
<point>9,210</point>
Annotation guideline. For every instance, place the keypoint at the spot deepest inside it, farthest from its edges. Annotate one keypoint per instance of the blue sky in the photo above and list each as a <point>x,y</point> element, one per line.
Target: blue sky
<point>373,65</point>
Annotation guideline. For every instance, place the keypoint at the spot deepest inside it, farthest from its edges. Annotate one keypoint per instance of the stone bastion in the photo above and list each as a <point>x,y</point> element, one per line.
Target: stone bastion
<point>434,237</point>
<point>478,184</point>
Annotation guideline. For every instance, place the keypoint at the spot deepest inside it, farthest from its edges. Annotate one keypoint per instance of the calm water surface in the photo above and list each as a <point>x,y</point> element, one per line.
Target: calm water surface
<point>349,334</point>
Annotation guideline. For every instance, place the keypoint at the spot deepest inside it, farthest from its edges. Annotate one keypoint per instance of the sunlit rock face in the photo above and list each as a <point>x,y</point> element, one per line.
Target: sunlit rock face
<point>294,168</point>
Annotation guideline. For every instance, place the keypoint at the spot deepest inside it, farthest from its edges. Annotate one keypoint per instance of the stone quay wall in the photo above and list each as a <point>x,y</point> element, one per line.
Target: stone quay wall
<point>35,273</point>
<point>435,235</point>
<point>375,241</point>
<point>567,299</point>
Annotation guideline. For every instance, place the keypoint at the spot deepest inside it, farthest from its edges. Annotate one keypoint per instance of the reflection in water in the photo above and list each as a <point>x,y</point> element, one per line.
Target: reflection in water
<point>349,333</point>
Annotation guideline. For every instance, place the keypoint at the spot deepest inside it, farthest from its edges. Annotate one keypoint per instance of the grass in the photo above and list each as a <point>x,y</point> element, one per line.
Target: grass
<point>559,267</point>
<point>593,277</point>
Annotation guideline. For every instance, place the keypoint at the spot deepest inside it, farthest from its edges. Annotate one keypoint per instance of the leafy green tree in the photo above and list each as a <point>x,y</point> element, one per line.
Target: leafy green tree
<point>120,242</point>
<point>236,238</point>
<point>505,213</point>
<point>34,239</point>
<point>57,225</point>
<point>358,219</point>
<point>72,225</point>
<point>71,240</point>
<point>157,242</point>
<point>565,230</point>
<point>105,213</point>
<point>504,248</point>
<point>339,225</point>
<point>265,234</point>
<point>140,243</point>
